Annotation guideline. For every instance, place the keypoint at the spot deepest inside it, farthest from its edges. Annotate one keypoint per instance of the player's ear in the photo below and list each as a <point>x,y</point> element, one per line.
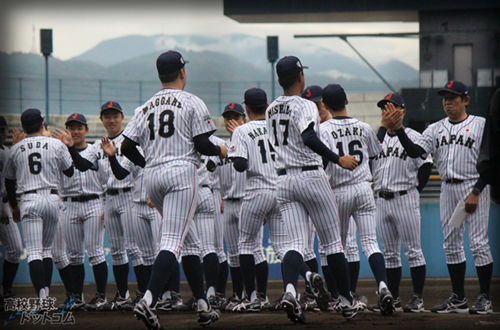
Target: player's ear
<point>346,101</point>
<point>466,100</point>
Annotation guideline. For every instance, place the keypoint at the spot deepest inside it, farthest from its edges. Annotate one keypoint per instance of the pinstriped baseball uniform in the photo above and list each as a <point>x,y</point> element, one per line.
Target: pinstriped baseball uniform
<point>218,223</point>
<point>118,213</point>
<point>37,162</point>
<point>301,192</point>
<point>9,234</point>
<point>166,125</point>
<point>232,185</point>
<point>352,190</point>
<point>259,203</point>
<point>82,219</point>
<point>455,148</point>
<point>398,219</point>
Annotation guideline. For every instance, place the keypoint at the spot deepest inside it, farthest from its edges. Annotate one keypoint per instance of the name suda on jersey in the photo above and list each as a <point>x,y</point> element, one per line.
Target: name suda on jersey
<point>31,145</point>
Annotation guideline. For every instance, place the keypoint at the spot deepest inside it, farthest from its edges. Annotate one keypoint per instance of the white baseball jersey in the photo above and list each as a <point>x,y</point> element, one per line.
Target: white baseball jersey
<point>288,113</point>
<point>251,143</point>
<point>232,182</point>
<point>28,157</point>
<point>166,125</point>
<point>392,169</point>
<point>349,136</point>
<point>455,146</point>
<point>84,183</point>
<point>4,154</point>
<point>214,176</point>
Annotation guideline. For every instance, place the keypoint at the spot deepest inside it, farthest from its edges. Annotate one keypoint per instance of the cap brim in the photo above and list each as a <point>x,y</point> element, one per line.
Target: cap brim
<point>112,108</point>
<point>305,67</point>
<point>229,110</point>
<point>443,90</point>
<point>383,102</point>
<point>76,121</point>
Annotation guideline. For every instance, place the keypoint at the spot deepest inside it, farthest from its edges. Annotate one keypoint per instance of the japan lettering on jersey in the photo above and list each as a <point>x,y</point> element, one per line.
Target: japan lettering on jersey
<point>103,162</point>
<point>286,118</point>
<point>166,124</point>
<point>392,169</point>
<point>232,182</point>
<point>36,163</point>
<point>84,183</point>
<point>455,147</point>
<point>251,142</point>
<point>349,136</point>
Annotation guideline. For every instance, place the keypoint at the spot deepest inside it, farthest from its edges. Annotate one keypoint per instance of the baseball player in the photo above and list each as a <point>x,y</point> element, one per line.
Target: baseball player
<point>170,128</point>
<point>303,189</point>
<point>82,217</point>
<point>352,190</point>
<point>455,142</point>
<point>252,153</point>
<point>232,189</point>
<point>9,232</point>
<point>35,164</point>
<point>398,180</point>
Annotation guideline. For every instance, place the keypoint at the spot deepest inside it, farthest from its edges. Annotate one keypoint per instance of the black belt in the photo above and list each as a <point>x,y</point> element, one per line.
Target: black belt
<point>391,195</point>
<point>81,198</point>
<point>304,168</point>
<point>52,191</point>
<point>233,199</point>
<point>454,181</point>
<point>114,192</point>
<point>207,186</point>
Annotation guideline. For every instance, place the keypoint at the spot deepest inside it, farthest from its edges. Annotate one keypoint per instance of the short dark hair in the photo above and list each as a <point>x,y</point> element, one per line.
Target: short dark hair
<point>169,77</point>
<point>33,128</point>
<point>336,108</point>
<point>258,110</point>
<point>288,81</point>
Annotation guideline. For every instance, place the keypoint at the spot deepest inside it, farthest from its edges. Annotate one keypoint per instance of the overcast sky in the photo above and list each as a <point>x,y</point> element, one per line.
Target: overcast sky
<point>80,25</point>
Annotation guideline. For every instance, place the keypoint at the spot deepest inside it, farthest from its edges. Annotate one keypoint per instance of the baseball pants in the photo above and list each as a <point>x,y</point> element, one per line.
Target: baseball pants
<point>147,221</point>
<point>219,227</point>
<point>11,238</point>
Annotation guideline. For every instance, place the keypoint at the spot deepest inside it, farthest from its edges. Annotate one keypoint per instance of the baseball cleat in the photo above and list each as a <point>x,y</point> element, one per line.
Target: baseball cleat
<point>348,312</point>
<point>138,296</point>
<point>97,303</point>
<point>144,313</point>
<point>319,291</point>
<point>76,303</point>
<point>415,305</point>
<point>386,300</point>
<point>273,306</point>
<point>65,304</point>
<point>396,303</point>
<point>293,309</point>
<point>168,304</point>
<point>452,305</point>
<point>232,303</point>
<point>253,306</point>
<point>362,299</point>
<point>189,305</point>
<point>207,317</point>
<point>308,302</point>
<point>482,305</point>
<point>119,303</point>
<point>217,301</point>
<point>334,305</point>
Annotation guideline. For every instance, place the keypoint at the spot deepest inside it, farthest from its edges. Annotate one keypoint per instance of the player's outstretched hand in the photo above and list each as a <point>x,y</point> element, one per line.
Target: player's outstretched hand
<point>150,203</point>
<point>348,162</point>
<point>223,152</point>
<point>471,203</point>
<point>4,218</point>
<point>17,136</point>
<point>222,207</point>
<point>108,146</point>
<point>231,126</point>
<point>392,117</point>
<point>16,214</point>
<point>64,137</point>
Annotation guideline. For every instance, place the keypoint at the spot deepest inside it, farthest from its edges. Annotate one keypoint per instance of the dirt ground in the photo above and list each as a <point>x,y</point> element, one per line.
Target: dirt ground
<point>436,291</point>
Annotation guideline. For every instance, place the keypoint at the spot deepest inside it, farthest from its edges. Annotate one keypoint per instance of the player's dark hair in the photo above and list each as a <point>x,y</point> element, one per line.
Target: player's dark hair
<point>169,77</point>
<point>258,110</point>
<point>337,107</point>
<point>288,81</point>
<point>33,128</point>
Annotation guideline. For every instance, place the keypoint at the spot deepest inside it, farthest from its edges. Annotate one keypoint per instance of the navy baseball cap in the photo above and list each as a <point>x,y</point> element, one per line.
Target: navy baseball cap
<point>391,97</point>
<point>77,117</point>
<point>455,87</point>
<point>234,107</point>
<point>313,93</point>
<point>111,105</point>
<point>3,122</point>
<point>334,96</point>
<point>255,97</point>
<point>31,117</point>
<point>288,66</point>
<point>169,62</point>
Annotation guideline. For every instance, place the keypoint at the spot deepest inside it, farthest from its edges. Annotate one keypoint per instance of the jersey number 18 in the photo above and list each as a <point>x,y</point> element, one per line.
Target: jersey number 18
<point>166,121</point>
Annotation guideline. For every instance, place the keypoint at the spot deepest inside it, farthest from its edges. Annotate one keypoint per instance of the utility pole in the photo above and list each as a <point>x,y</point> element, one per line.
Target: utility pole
<point>272,56</point>
<point>46,50</point>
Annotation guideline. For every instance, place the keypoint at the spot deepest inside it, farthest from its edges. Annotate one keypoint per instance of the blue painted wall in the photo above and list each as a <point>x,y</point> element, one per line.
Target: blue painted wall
<point>432,245</point>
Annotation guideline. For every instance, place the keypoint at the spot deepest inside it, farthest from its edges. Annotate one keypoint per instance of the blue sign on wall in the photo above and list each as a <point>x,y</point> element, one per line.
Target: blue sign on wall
<point>432,246</point>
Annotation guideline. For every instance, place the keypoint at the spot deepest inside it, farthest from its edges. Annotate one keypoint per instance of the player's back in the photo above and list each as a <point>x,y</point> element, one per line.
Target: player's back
<point>349,136</point>
<point>166,125</point>
<point>38,162</point>
<point>252,143</point>
<point>286,118</point>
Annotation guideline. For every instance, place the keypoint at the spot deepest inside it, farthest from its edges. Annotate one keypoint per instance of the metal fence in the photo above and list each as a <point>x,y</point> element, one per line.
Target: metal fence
<point>86,95</point>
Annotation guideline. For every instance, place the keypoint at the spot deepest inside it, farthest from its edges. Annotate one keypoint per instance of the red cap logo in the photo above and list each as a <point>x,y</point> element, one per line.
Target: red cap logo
<point>450,84</point>
<point>110,104</point>
<point>389,96</point>
<point>231,106</point>
<point>74,116</point>
<point>308,94</point>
